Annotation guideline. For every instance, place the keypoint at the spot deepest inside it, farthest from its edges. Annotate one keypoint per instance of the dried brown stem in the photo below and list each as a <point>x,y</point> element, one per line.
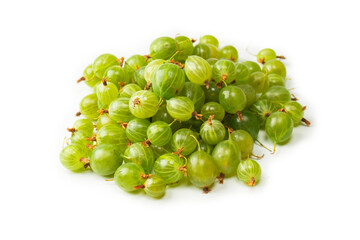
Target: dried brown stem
<point>72,130</point>
<point>145,176</point>
<point>85,161</point>
<point>81,79</point>
<point>183,169</point>
<point>121,61</point>
<point>146,143</point>
<point>306,121</point>
<point>209,121</point>
<point>294,98</point>
<point>206,189</point>
<point>123,124</point>
<point>221,178</point>
<point>178,152</point>
<point>137,102</point>
<point>78,114</point>
<point>103,111</point>
<point>139,187</point>
<point>197,115</point>
<point>280,57</point>
<point>252,182</point>
<point>239,115</point>
<point>207,84</point>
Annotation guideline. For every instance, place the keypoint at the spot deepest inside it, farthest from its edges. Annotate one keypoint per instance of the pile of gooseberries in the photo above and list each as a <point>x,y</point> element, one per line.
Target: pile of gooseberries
<point>180,113</point>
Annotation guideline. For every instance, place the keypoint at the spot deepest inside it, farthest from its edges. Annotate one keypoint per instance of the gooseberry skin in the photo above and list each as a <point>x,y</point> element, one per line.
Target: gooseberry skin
<point>224,70</point>
<point>116,75</point>
<point>168,80</point>
<point>128,176</point>
<point>249,172</point>
<point>89,106</point>
<point>112,134</point>
<point>212,61</point>
<point>107,92</point>
<point>71,155</point>
<point>90,78</point>
<point>197,69</point>
<point>85,125</point>
<point>81,138</point>
<point>202,50</point>
<point>211,92</point>
<point>182,139</point>
<point>276,80</point>
<point>128,90</point>
<point>295,111</point>
<point>279,127</point>
<point>168,166</point>
<point>249,123</point>
<point>242,74</point>
<point>136,130</point>
<point>201,169</point>
<point>229,52</point>
<point>144,104</point>
<point>265,55</point>
<point>139,77</point>
<point>209,39</point>
<point>205,147</point>
<point>163,115</point>
<point>140,154</point>
<point>103,62</point>
<point>259,81</point>
<point>135,62</point>
<point>119,110</point>
<point>275,66</point>
<point>252,66</point>
<point>105,159</point>
<point>250,94</point>
<point>180,108</point>
<point>226,155</point>
<point>151,68</point>
<point>277,94</point>
<point>263,108</point>
<point>212,132</point>
<point>184,46</point>
<point>155,186</point>
<point>213,108</point>
<point>159,133</point>
<point>244,141</point>
<point>233,99</point>
<point>195,93</point>
<point>159,151</point>
<point>162,48</point>
<point>104,120</point>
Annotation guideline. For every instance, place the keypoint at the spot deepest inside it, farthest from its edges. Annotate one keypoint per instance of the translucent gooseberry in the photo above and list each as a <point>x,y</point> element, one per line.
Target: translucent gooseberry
<point>242,74</point>
<point>182,142</point>
<point>129,90</point>
<point>151,68</point>
<point>267,54</point>
<point>249,123</point>
<point>226,155</point>
<point>103,62</point>
<point>135,62</point>
<point>136,130</point>
<point>276,80</point>
<point>163,115</point>
<point>252,66</point>
<point>263,108</point>
<point>195,93</point>
<point>229,52</point>
<point>277,94</point>
<point>259,81</point>
<point>275,66</point>
<point>211,91</point>
<point>144,104</point>
<point>224,71</point>
<point>181,108</point>
<point>250,94</point>
<point>197,69</point>
<point>168,80</point>
<point>119,110</point>
<point>154,186</point>
<point>170,167</point>
<point>279,127</point>
<point>139,77</point>
<point>104,120</point>
<point>140,154</point>
<point>296,112</point>
<point>202,50</point>
<point>74,157</point>
<point>106,92</point>
<point>209,39</point>
<point>105,159</point>
<point>184,47</point>
<point>212,131</point>
<point>233,99</point>
<point>112,134</point>
<point>129,176</point>
<point>89,77</point>
<point>163,48</point>
<point>83,124</point>
<point>117,75</point>
<point>213,108</point>
<point>249,172</point>
<point>244,141</point>
<point>89,107</point>
<point>159,133</point>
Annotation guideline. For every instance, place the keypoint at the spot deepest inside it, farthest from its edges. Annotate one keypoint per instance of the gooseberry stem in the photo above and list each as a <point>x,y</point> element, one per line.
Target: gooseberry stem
<point>273,152</point>
<point>109,180</point>
<point>262,145</point>
<point>172,122</point>
<point>81,79</point>
<point>258,157</point>
<point>174,54</point>
<point>199,149</point>
<point>306,121</point>
<point>280,57</point>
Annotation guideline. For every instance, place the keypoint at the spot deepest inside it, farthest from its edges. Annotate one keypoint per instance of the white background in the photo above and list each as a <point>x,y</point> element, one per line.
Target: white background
<point>309,189</point>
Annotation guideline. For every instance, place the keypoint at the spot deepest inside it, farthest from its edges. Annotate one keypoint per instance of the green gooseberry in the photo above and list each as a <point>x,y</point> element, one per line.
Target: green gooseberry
<point>197,69</point>
<point>112,134</point>
<point>89,77</point>
<point>226,155</point>
<point>277,94</point>
<point>211,91</point>
<point>211,61</point>
<point>184,47</point>
<point>229,52</point>
<point>103,62</point>
<point>170,167</point>
<point>252,66</point>
<point>136,130</point>
<point>249,172</point>
<point>105,159</point>
<point>213,108</point>
<point>119,110</point>
<point>296,112</point>
<point>104,120</point>
<point>275,66</point>
<point>248,122</point>
<point>224,71</point>
<point>276,80</point>
<point>117,75</point>
<point>212,131</point>
<point>81,138</point>
<point>83,124</point>
<point>128,90</point>
<point>73,157</point>
<point>205,147</point>
<point>155,186</point>
<point>182,142</point>
<point>163,48</point>
<point>263,108</point>
<point>181,108</point>
<point>233,99</point>
<point>202,50</point>
<point>106,92</point>
<point>214,51</point>
<point>139,77</point>
<point>143,104</point>
<point>279,127</point>
<point>89,107</point>
<point>158,151</point>
<point>140,154</point>
<point>163,115</point>
<point>130,176</point>
<point>267,54</point>
<point>168,80</point>
<point>244,141</point>
<point>135,62</point>
<point>209,39</point>
<point>242,74</point>
<point>151,68</point>
<point>159,133</point>
<point>259,81</point>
